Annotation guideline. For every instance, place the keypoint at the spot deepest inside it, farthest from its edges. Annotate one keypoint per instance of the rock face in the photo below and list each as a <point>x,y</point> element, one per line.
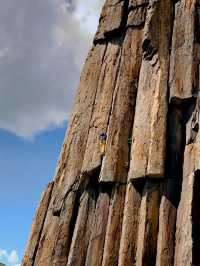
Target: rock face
<point>127,185</point>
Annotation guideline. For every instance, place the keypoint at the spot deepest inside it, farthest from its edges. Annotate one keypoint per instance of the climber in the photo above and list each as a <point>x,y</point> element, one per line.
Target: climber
<point>103,138</point>
<point>129,141</point>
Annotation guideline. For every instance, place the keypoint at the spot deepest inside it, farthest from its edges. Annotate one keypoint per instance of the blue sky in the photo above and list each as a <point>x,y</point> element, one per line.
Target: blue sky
<point>26,168</point>
<point>43,45</point>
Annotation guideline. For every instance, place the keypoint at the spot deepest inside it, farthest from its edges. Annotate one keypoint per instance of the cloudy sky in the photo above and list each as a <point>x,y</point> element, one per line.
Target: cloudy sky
<point>43,44</point>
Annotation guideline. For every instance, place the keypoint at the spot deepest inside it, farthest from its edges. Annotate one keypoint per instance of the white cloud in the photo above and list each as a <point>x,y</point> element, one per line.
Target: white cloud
<point>3,253</point>
<point>42,47</point>
<point>11,259</point>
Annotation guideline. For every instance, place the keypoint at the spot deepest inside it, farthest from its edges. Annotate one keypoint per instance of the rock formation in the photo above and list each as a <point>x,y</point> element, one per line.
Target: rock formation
<point>132,198</point>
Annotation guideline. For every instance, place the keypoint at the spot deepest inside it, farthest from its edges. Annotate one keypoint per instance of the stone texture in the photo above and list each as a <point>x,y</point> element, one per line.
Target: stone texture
<point>188,222</point>
<point>167,223</point>
<point>97,238</point>
<point>114,167</point>
<point>148,224</point>
<point>103,104</point>
<point>46,244</point>
<point>183,81</point>
<point>112,19</point>
<point>149,129</point>
<point>137,13</point>
<point>82,231</point>
<point>65,228</point>
<point>37,226</point>
<point>130,225</point>
<point>68,170</point>
<point>114,226</point>
<point>132,199</point>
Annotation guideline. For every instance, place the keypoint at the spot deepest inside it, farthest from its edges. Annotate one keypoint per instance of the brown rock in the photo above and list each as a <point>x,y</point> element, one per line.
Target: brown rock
<point>65,230</point>
<point>37,227</point>
<point>148,224</point>
<point>128,244</point>
<point>184,241</point>
<point>183,82</point>
<point>149,130</point>
<point>114,166</point>
<point>188,220</point>
<point>45,247</point>
<point>68,170</point>
<point>167,223</point>
<point>114,226</point>
<point>82,231</point>
<point>137,13</point>
<point>112,19</point>
<point>97,238</point>
<point>102,106</point>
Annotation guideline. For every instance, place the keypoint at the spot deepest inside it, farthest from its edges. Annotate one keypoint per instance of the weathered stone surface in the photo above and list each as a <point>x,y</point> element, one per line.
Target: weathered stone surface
<point>188,219</point>
<point>37,226</point>
<point>136,3</point>
<point>184,241</point>
<point>167,223</point>
<point>183,65</point>
<point>68,170</point>
<point>149,130</point>
<point>65,229</point>
<point>137,13</point>
<point>56,232</point>
<point>45,247</point>
<point>114,226</point>
<point>112,19</point>
<point>102,106</point>
<point>128,244</point>
<point>114,167</point>
<point>83,229</point>
<point>97,238</point>
<point>148,224</point>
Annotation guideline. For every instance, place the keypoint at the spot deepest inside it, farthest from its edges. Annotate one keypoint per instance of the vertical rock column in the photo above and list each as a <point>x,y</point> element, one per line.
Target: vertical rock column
<point>184,89</point>
<point>148,152</point>
<point>149,128</point>
<point>188,218</point>
<point>37,226</point>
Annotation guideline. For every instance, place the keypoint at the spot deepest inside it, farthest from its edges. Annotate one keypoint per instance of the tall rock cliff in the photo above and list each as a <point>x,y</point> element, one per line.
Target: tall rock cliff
<point>127,185</point>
